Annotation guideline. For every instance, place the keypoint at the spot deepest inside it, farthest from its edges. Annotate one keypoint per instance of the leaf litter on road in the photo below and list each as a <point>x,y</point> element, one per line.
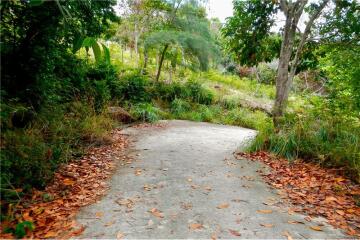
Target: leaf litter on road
<point>313,190</point>
<point>79,183</point>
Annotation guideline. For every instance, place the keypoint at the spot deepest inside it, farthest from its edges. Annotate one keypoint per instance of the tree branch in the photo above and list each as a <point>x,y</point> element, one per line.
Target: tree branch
<point>284,6</point>
<point>305,36</point>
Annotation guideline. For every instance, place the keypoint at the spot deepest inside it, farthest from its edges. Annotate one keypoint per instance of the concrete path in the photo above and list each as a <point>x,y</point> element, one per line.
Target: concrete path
<point>185,183</point>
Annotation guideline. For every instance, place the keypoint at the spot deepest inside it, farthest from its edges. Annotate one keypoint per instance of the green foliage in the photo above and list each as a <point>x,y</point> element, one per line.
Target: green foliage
<point>342,67</point>
<point>21,228</point>
<point>145,112</point>
<point>179,106</point>
<point>318,135</point>
<point>198,93</point>
<point>134,87</point>
<point>187,28</point>
<point>31,154</point>
<point>267,75</point>
<point>247,33</point>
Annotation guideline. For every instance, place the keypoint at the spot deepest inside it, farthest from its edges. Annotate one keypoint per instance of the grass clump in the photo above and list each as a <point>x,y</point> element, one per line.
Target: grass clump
<point>318,136</point>
<point>146,112</point>
<point>30,155</point>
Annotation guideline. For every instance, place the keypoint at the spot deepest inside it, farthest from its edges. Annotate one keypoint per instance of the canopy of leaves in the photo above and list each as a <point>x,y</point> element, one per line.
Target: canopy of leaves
<point>187,28</point>
<point>35,33</point>
<point>247,33</point>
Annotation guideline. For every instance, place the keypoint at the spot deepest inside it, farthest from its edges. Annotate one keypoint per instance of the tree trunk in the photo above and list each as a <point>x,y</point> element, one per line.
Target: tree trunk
<point>161,62</point>
<point>146,58</point>
<point>285,78</point>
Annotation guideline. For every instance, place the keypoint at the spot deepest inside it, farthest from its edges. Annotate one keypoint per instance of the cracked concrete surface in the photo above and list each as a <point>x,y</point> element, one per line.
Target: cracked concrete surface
<point>186,174</point>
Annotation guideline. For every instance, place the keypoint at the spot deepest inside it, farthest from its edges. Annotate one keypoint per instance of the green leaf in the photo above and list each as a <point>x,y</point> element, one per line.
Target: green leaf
<point>97,51</point>
<point>78,43</point>
<point>20,230</point>
<point>88,42</point>
<point>106,53</point>
<point>34,3</point>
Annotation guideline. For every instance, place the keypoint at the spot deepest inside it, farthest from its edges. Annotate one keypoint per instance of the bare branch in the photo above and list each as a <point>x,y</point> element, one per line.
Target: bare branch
<point>305,36</point>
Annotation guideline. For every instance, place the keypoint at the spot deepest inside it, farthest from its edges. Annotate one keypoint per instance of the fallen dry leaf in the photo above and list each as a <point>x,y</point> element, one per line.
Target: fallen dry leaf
<point>268,225</point>
<point>68,182</point>
<point>120,235</point>
<point>50,234</point>
<point>85,181</point>
<point>287,235</point>
<point>195,226</point>
<point>78,231</point>
<point>316,228</point>
<point>264,211</point>
<point>109,223</point>
<point>99,214</point>
<point>156,212</point>
<point>138,172</point>
<point>234,232</point>
<point>312,189</point>
<point>295,222</point>
<point>223,205</point>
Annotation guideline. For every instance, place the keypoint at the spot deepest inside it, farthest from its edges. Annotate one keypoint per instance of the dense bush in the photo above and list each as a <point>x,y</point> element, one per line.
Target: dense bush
<point>192,91</point>
<point>146,112</point>
<point>134,87</point>
<point>30,155</point>
<point>266,74</point>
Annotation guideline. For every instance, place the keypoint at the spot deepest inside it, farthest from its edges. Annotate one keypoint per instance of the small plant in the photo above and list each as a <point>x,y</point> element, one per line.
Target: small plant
<point>145,112</point>
<point>21,229</point>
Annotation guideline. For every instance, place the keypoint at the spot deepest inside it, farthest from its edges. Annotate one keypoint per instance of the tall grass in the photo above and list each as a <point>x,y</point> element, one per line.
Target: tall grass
<point>321,137</point>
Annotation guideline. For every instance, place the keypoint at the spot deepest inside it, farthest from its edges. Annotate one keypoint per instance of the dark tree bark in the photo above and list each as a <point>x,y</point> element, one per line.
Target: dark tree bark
<point>161,61</point>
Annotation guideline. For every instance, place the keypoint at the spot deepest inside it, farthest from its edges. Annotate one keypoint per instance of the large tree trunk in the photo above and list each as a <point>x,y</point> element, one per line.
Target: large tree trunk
<point>282,80</point>
<point>161,61</point>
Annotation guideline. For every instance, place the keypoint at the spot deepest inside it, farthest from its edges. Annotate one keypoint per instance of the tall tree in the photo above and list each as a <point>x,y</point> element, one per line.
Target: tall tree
<point>248,34</point>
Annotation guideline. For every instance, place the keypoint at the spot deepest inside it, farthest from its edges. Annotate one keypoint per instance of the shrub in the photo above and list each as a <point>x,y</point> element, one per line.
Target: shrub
<point>267,75</point>
<point>318,135</point>
<point>134,87</point>
<point>169,92</point>
<point>30,155</point>
<point>198,93</point>
<point>179,107</point>
<point>145,112</point>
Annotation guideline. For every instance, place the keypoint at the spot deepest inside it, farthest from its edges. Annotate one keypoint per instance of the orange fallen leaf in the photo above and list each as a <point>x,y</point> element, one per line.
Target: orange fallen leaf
<point>195,226</point>
<point>222,206</point>
<point>138,172</point>
<point>78,231</point>
<point>295,222</point>
<point>50,234</point>
<point>287,235</point>
<point>213,236</point>
<point>316,228</point>
<point>350,210</point>
<point>234,232</point>
<point>68,182</point>
<point>340,212</point>
<point>264,211</point>
<point>340,179</point>
<point>156,213</point>
<point>120,235</point>
<point>268,225</point>
<point>109,223</point>
<point>99,214</point>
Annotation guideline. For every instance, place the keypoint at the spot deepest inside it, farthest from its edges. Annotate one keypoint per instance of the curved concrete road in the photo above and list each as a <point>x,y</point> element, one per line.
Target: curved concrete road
<point>185,183</point>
